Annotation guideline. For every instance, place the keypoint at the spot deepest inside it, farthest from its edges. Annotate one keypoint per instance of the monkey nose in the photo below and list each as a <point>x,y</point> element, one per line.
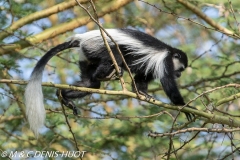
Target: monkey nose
<point>178,74</point>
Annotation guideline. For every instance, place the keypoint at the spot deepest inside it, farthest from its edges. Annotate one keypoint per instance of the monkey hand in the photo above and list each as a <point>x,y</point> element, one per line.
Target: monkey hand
<point>190,116</point>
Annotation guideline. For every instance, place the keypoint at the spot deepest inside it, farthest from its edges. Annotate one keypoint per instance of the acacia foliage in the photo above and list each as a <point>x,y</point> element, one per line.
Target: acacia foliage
<point>120,127</point>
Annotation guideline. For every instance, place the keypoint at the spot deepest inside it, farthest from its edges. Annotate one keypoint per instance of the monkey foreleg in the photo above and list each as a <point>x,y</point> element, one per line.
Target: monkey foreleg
<point>190,116</point>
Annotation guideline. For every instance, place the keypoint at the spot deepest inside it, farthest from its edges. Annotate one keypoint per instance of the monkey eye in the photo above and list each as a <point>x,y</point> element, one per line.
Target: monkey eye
<point>176,55</point>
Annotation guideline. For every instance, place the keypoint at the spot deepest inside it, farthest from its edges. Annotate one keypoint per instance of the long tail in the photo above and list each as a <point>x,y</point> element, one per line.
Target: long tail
<point>35,110</point>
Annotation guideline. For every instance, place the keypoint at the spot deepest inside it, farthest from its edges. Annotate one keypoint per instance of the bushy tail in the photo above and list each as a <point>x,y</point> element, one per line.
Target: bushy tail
<point>35,110</point>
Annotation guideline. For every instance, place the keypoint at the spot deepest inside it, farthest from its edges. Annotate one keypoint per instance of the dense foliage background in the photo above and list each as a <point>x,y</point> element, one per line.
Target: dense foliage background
<point>116,126</point>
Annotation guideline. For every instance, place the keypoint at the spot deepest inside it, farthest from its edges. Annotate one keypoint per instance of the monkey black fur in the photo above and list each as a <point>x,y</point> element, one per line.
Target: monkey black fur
<point>147,57</point>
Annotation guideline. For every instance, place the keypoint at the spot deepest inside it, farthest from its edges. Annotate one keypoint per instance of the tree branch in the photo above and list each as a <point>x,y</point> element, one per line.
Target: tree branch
<point>227,99</point>
<point>234,35</point>
<point>217,130</point>
<point>233,122</point>
<point>212,23</point>
<point>60,29</point>
<point>38,15</point>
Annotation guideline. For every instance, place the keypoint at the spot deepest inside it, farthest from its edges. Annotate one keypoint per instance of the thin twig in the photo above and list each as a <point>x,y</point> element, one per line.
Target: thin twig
<point>227,155</point>
<point>238,24</point>
<point>185,142</point>
<point>222,130</point>
<point>66,119</point>
<point>229,33</point>
<point>107,46</point>
<point>118,49</point>
<point>116,45</point>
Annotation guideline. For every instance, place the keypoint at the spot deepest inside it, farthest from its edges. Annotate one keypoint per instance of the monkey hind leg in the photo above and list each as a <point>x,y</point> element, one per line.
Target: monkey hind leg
<point>105,69</point>
<point>112,75</point>
<point>66,95</point>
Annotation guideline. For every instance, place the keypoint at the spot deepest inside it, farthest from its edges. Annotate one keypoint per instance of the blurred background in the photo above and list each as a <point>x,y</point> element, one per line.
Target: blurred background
<point>115,126</point>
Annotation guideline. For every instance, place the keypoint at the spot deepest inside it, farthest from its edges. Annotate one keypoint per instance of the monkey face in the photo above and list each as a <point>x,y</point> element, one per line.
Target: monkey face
<point>178,65</point>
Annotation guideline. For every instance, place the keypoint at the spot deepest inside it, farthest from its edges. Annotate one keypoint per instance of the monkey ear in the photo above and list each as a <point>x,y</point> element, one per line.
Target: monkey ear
<point>176,55</point>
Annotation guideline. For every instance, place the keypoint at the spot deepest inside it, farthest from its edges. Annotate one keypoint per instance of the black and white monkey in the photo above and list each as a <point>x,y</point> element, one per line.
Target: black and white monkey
<point>147,57</point>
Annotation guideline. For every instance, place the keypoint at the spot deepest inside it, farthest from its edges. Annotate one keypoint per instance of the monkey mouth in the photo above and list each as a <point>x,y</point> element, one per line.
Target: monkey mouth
<point>177,74</point>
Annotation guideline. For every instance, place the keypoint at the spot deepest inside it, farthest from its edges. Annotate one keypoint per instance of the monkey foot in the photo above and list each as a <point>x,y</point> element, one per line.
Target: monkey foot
<point>67,103</point>
<point>147,96</point>
<point>72,106</point>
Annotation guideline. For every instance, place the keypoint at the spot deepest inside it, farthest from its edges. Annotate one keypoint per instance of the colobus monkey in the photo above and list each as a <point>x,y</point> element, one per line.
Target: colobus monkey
<point>147,57</point>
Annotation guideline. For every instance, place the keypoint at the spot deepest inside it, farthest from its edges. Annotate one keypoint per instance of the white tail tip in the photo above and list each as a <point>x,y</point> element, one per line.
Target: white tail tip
<point>35,110</point>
